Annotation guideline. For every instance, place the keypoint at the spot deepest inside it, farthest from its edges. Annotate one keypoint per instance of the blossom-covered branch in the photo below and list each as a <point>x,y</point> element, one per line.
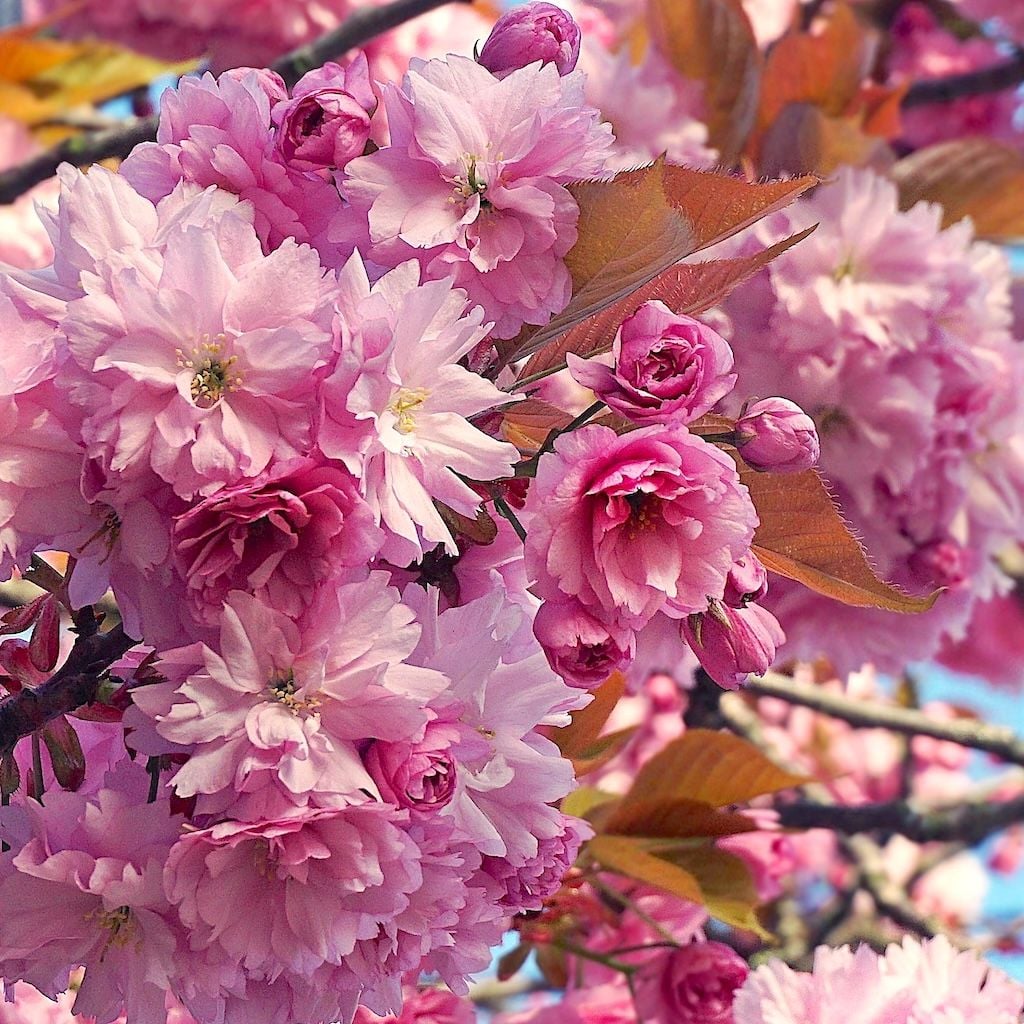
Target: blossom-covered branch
<point>117,143</point>
<point>992,739</point>
<point>75,684</point>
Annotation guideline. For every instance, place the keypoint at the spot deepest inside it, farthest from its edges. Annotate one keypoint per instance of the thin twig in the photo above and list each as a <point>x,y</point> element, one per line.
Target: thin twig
<point>993,739</point>
<point>361,26</point>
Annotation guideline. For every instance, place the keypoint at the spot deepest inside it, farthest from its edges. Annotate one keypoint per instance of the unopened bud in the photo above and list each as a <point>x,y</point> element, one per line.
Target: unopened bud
<point>730,643</point>
<point>531,33</point>
<point>777,435</point>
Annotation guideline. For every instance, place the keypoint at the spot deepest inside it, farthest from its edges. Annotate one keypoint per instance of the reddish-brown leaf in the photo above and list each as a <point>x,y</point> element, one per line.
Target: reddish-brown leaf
<point>802,536</point>
<point>824,68</point>
<point>586,725</point>
<point>688,288</point>
<point>527,424</point>
<point>716,768</point>
<point>712,41</point>
<point>673,818</point>
<point>977,178</point>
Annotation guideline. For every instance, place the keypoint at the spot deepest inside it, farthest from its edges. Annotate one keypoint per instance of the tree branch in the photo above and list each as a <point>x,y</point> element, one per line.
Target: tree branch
<point>1006,75</point>
<point>966,823</point>
<point>993,739</point>
<point>72,686</point>
<point>361,26</point>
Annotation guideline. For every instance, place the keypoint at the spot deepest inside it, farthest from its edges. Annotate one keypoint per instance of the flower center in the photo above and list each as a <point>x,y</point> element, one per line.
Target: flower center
<point>107,534</point>
<point>642,513</point>
<point>283,688</point>
<point>404,406</point>
<point>119,923</point>
<point>473,184</point>
<point>212,373</point>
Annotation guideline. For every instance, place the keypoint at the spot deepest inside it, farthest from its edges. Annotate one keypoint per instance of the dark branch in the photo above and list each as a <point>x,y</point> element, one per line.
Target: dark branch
<point>1006,75</point>
<point>360,27</point>
<point>992,739</point>
<point>72,686</point>
<point>966,823</point>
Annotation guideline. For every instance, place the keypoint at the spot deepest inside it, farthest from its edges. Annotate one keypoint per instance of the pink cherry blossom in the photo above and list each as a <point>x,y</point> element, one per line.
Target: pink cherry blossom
<point>694,984</point>
<point>198,352</point>
<point>284,706</point>
<point>424,1006</point>
<point>602,1004</point>
<point>636,524</point>
<point>582,649</point>
<point>281,536</point>
<point>396,408</point>
<point>219,132</point>
<point>472,183</point>
<point>667,368</point>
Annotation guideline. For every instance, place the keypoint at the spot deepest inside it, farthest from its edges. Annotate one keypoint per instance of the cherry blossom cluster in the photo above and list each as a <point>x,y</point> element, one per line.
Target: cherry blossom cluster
<point>242,398</point>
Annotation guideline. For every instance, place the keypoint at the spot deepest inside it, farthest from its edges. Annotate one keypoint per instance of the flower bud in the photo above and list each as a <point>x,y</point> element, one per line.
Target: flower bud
<point>695,984</point>
<point>730,643</point>
<point>941,563</point>
<point>326,123</point>
<point>776,434</point>
<point>531,33</point>
<point>667,367</point>
<point>420,776</point>
<point>747,581</point>
<point>583,650</point>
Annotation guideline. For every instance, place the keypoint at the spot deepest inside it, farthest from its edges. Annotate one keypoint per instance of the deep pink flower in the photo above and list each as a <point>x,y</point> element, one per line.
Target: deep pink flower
<point>417,775</point>
<point>582,649</point>
<point>747,581</point>
<point>730,643</point>
<point>326,123</point>
<point>424,1006</point>
<point>694,984</point>
<point>473,184</point>
<point>530,33</point>
<point>280,536</point>
<point>634,524</point>
<point>219,132</point>
<point>667,368</point>
<point>776,435</point>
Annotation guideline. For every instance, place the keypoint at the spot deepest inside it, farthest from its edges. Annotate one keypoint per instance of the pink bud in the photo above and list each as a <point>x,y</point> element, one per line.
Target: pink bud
<point>531,33</point>
<point>747,581</point>
<point>776,434</point>
<point>695,984</point>
<point>942,563</point>
<point>583,650</point>
<point>420,776</point>
<point>326,123</point>
<point>730,643</point>
<point>668,368</point>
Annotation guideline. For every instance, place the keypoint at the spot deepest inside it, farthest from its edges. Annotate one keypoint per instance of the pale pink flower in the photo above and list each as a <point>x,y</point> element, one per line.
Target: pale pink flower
<point>82,885</point>
<point>913,983</point>
<point>508,774</point>
<point>280,536</point>
<point>197,354</point>
<point>694,984</point>
<point>893,335</point>
<point>396,408</point>
<point>284,706</point>
<point>473,183</point>
<point>636,524</point>
<point>652,109</point>
<point>667,368</point>
<point>219,132</point>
